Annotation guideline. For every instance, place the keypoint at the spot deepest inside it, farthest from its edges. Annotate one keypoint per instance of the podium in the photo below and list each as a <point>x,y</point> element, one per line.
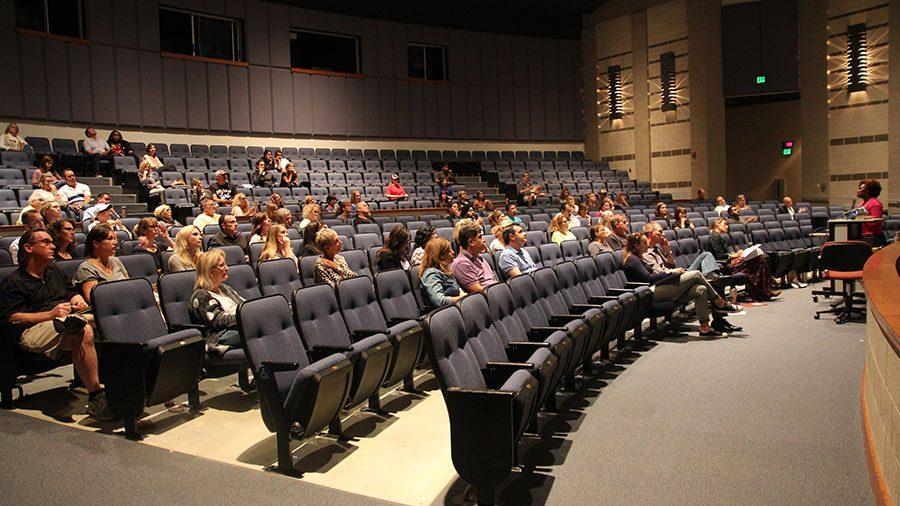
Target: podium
<point>843,229</point>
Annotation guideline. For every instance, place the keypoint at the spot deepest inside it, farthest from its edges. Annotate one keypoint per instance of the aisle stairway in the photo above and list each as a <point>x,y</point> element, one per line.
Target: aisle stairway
<point>119,199</point>
<point>474,184</point>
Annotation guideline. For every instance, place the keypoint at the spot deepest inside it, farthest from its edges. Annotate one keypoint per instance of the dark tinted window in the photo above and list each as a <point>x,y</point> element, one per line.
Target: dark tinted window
<point>426,62</point>
<point>325,51</point>
<point>59,17</point>
<point>200,35</point>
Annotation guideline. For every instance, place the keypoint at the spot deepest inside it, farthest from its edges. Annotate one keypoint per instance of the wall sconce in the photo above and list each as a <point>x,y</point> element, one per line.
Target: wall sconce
<point>857,58</point>
<point>667,81</point>
<point>615,92</point>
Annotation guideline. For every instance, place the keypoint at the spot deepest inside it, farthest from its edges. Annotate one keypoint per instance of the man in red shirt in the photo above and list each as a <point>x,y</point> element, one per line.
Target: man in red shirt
<point>394,190</point>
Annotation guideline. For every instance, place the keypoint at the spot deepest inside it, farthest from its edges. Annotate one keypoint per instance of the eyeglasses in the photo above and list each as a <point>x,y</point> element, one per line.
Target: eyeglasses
<point>45,242</point>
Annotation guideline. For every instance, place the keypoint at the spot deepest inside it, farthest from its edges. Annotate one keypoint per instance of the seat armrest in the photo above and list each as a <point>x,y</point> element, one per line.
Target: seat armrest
<point>541,333</point>
<point>521,351</point>
<point>496,373</point>
<point>602,298</point>
<point>279,366</point>
<point>562,319</point>
<point>187,326</point>
<point>621,291</point>
<point>397,321</point>
<point>358,335</point>
<point>584,307</point>
<point>321,351</point>
<point>635,284</point>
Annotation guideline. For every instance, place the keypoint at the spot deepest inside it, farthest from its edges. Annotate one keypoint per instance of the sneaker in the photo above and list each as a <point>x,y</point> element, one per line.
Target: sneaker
<point>99,409</point>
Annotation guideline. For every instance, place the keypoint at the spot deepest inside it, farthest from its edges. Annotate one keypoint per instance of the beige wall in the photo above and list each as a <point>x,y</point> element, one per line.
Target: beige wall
<point>50,131</point>
<point>753,149</point>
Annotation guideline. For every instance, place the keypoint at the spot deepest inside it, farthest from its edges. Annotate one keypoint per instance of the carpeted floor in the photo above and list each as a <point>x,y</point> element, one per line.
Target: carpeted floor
<point>767,416</point>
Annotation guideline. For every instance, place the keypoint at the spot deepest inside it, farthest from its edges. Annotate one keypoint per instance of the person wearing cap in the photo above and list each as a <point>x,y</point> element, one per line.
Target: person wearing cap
<point>105,216</point>
<point>394,190</point>
<point>222,190</point>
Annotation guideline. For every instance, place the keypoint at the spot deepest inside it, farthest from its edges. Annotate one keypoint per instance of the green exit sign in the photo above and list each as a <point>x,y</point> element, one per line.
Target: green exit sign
<point>760,79</point>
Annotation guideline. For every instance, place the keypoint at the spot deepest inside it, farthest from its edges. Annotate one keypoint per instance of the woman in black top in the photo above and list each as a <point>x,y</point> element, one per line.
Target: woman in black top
<point>394,253</point>
<point>63,234</point>
<point>679,287</point>
<point>681,220</point>
<point>310,247</point>
<point>760,284</point>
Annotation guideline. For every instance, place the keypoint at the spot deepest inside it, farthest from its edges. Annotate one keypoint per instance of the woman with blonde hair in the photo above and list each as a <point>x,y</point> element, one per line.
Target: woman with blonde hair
<point>559,228</point>
<point>214,304</point>
<point>187,249</point>
<point>163,214</point>
<point>260,227</point>
<point>241,205</point>
<point>278,245</point>
<point>311,213</point>
<point>439,287</point>
<point>331,267</point>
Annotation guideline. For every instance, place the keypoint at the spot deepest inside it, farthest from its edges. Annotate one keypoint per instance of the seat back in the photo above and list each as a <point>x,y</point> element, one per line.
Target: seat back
<point>569,285</point>
<point>279,276</point>
<point>356,297</point>
<point>175,290</point>
<point>528,305</point>
<point>571,250</point>
<point>488,345</point>
<point>844,256</point>
<point>126,312</point>
<point>453,358</point>
<point>308,270</point>
<point>234,255</point>
<point>551,254</point>
<point>358,260</point>
<point>140,265</point>
<point>396,295</point>
<point>243,280</point>
<point>319,318</point>
<point>548,290</point>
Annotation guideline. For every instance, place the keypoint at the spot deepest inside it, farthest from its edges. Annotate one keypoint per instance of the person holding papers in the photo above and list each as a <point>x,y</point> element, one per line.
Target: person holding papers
<point>760,284</point>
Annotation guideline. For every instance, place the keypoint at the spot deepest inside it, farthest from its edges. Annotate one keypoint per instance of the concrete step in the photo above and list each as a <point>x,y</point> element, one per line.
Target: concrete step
<point>123,198</point>
<point>103,188</point>
<point>96,181</point>
<point>131,209</point>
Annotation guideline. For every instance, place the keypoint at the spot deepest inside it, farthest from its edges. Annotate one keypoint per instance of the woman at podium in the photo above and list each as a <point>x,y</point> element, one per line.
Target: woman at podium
<point>872,231</point>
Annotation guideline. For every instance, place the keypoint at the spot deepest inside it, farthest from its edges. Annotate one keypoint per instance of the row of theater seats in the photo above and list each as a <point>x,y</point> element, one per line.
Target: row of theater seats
<point>43,145</point>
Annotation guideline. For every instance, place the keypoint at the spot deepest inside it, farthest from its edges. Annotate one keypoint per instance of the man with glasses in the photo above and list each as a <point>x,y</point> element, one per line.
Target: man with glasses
<point>33,297</point>
<point>229,235</point>
<point>33,221</point>
<point>77,194</point>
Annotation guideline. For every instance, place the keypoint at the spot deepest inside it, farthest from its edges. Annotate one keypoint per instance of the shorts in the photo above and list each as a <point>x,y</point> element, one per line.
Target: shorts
<point>42,338</point>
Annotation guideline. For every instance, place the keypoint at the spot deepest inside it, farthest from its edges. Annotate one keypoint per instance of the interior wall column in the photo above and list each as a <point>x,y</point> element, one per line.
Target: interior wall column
<point>813,53</point>
<point>589,80</point>
<point>894,108</point>
<point>640,98</point>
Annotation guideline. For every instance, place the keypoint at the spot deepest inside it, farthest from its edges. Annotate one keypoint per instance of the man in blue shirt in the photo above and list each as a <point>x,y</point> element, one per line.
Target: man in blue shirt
<point>514,260</point>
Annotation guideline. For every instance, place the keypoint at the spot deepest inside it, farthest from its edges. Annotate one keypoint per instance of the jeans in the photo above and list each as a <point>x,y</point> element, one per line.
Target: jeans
<point>691,286</point>
<point>705,263</point>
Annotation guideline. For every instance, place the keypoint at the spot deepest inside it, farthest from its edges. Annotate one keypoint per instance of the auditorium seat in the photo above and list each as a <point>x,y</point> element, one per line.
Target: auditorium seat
<point>143,364</point>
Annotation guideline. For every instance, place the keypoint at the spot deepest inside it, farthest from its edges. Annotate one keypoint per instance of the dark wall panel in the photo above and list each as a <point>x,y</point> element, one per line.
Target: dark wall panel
<point>80,83</point>
<point>11,98</point>
<point>489,58</point>
<point>279,45</point>
<point>491,112</point>
<point>445,112</point>
<point>282,101</point>
<point>239,99</point>
<point>549,63</point>
<point>522,117</point>
<point>458,114</point>
<point>125,27</point>
<point>33,75</point>
<point>260,100</point>
<point>401,106</point>
<point>386,58</point>
<point>174,93</point>
<point>329,111</point>
<point>217,84</point>
<point>417,110</point>
<point>356,110</point>
<point>303,123</point>
<point>537,127</point>
<point>8,14</point>
<point>456,56</point>
<point>430,111</point>
<point>56,64</point>
<point>388,112</point>
<point>475,112</point>
<point>567,116</point>
<point>504,60</point>
<point>520,61</point>
<point>214,7</point>
<point>368,47</point>
<point>507,114</point>
<point>371,96</point>
<point>256,32</point>
<point>197,95</point>
<point>99,21</point>
<point>148,27</point>
<point>551,113</point>
<point>235,8</point>
<point>128,90</point>
<point>568,65</point>
<point>152,110</point>
<point>473,59</point>
<point>535,68</point>
<point>103,73</point>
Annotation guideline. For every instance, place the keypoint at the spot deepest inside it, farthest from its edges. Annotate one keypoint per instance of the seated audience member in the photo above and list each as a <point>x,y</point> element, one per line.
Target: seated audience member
<point>787,207</point>
<point>163,214</point>
<point>472,272</point>
<point>331,267</point>
<point>209,215</point>
<point>283,217</point>
<point>33,221</point>
<point>592,203</point>
<point>721,205</point>
<point>616,240</point>
<point>445,191</point>
<point>188,247</point>
<point>278,245</point>
<point>439,287</point>
<point>151,183</point>
<point>394,190</point>
<point>606,219</point>
<point>344,212</point>
<point>35,294</point>
<point>463,199</point>
<point>150,159</point>
<point>77,195</point>
<point>559,229</point>
<point>309,247</point>
<point>289,178</point>
<point>117,145</point>
<point>259,228</point>
<point>198,193</point>
<point>331,207</point>
<point>269,160</point>
<point>701,194</point>
<point>96,148</point>
<point>214,303</point>
<point>659,254</point>
<point>868,192</point>
<point>263,175</point>
<point>241,205</point>
<point>152,239</point>
<point>101,265</point>
<point>446,173</point>
<point>676,287</point>
<point>51,212</point>
<point>393,255</point>
<point>453,211</point>
<point>12,141</point>
<point>363,214</point>
<point>228,234</point>
<point>103,199</point>
<point>681,220</point>
<point>584,216</point>
<point>662,212</point>
<point>35,203</point>
<point>44,166</point>
<point>740,202</point>
<point>621,202</point>
<point>104,217</point>
<point>425,234</point>
<point>222,189</point>
<point>279,162</point>
<point>497,243</point>
<point>50,192</point>
<point>733,215</point>
<point>598,244</point>
<point>760,283</point>
<point>514,260</point>
<point>564,195</point>
<point>276,201</point>
<point>63,234</point>
<point>355,199</point>
<point>569,209</point>
<point>478,203</point>
<point>512,213</point>
<point>311,213</point>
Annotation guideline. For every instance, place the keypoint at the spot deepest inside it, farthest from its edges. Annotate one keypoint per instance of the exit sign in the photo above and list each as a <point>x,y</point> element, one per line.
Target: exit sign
<point>760,79</point>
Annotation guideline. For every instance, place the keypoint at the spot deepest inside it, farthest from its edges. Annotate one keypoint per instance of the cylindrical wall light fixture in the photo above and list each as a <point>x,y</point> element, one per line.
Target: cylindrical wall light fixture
<point>857,58</point>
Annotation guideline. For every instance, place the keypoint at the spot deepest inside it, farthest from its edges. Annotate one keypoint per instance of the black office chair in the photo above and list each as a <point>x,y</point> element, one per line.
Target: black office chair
<point>843,262</point>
